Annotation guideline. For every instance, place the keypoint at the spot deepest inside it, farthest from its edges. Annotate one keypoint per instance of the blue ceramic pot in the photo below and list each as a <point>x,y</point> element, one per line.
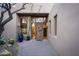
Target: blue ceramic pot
<point>20,37</point>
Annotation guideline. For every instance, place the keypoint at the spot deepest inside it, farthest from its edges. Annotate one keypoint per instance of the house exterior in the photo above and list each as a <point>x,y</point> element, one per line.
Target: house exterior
<point>63,25</point>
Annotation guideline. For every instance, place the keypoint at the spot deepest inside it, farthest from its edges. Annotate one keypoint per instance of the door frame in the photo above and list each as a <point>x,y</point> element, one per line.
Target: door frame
<point>36,15</point>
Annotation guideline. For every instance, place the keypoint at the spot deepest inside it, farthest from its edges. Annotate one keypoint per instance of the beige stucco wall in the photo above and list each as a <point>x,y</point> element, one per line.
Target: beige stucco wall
<point>67,40</point>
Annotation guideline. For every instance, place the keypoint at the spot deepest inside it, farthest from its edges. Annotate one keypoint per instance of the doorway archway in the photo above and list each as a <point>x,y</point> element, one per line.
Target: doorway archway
<point>36,26</point>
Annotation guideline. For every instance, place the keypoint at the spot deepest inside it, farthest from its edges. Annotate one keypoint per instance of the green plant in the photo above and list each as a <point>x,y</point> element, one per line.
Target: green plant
<point>11,41</point>
<point>2,41</point>
<point>28,38</point>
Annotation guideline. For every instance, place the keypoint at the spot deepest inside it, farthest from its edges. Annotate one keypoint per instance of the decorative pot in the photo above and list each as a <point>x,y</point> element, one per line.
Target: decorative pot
<point>20,37</point>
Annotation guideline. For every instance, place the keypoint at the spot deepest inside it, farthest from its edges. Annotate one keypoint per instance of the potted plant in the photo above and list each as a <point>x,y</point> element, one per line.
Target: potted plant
<point>28,38</point>
<point>20,37</point>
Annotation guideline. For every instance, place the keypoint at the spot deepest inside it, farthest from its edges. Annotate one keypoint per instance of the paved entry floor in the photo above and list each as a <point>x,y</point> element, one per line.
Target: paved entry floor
<point>35,48</point>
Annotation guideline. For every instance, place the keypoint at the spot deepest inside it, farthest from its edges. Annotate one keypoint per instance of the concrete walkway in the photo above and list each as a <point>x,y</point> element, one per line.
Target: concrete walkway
<point>36,48</point>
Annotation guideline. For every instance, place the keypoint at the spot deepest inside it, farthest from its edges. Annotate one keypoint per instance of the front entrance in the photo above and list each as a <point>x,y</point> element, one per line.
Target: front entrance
<point>33,26</point>
<point>39,28</point>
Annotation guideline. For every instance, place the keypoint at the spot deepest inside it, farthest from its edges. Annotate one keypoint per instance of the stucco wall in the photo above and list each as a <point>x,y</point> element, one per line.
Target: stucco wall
<point>67,40</point>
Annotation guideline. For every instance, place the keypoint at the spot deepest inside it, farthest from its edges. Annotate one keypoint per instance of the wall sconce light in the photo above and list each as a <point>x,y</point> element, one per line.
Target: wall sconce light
<point>49,20</point>
<point>50,25</point>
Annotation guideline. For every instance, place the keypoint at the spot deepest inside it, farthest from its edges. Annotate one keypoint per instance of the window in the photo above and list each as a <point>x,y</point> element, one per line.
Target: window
<point>55,24</point>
